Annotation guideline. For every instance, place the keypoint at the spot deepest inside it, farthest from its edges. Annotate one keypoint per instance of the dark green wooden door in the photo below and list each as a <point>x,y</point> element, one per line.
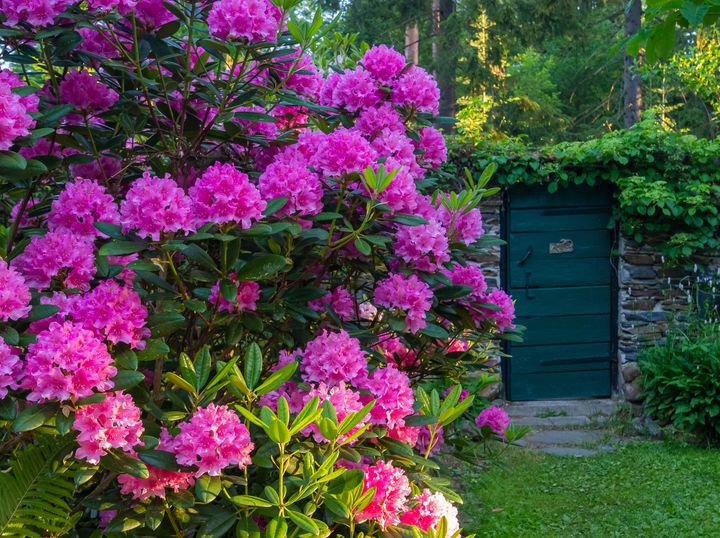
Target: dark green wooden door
<point>558,269</point>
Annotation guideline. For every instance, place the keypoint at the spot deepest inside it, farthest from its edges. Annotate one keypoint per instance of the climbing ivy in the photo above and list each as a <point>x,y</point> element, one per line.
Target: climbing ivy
<point>668,184</point>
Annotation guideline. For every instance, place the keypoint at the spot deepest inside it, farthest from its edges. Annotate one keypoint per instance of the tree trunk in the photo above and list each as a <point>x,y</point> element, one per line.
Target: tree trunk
<point>412,40</point>
<point>444,45</point>
<point>632,84</point>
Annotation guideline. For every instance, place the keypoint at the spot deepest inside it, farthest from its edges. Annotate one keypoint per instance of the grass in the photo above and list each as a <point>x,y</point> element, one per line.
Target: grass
<point>644,489</point>
<point>547,413</point>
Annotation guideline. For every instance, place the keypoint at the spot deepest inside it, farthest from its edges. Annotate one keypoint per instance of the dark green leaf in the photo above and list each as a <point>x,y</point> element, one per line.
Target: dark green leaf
<point>261,267</point>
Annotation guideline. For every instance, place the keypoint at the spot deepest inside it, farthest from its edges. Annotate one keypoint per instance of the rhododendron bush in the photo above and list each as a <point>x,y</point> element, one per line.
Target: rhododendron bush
<point>225,278</point>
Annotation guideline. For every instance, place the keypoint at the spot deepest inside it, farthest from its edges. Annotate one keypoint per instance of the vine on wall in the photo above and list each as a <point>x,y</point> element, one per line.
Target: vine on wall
<point>667,184</point>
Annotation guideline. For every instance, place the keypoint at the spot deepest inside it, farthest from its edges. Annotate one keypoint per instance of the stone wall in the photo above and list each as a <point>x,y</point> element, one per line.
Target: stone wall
<point>649,296</point>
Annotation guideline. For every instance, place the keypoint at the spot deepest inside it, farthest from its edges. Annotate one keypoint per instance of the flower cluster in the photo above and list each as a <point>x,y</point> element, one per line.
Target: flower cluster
<point>392,489</point>
<point>211,440</point>
<point>495,418</point>
<point>411,295</point>
<point>112,423</point>
<point>216,231</point>
<point>14,294</point>
<point>223,194</point>
<point>66,362</point>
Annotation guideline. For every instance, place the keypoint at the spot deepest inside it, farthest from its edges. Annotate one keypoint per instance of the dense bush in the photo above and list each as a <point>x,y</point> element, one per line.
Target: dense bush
<point>681,380</point>
<point>668,184</point>
<point>223,275</point>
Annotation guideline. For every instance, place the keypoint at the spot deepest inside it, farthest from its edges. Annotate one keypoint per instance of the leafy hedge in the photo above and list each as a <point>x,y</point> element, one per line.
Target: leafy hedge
<point>668,184</point>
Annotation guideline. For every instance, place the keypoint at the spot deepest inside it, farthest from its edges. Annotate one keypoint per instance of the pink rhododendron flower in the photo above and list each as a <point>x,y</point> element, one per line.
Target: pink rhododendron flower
<point>155,205</point>
<point>123,6</point>
<point>247,296</point>
<point>34,12</point>
<point>343,151</point>
<point>156,485</point>
<point>405,434</point>
<point>394,399</point>
<point>462,226</point>
<point>11,369</point>
<point>381,119</point>
<point>339,300</point>
<point>432,144</point>
<point>333,358</point>
<point>94,43</point>
<point>266,129</point>
<point>422,443</point>
<point>401,194</point>
<point>113,312</point>
<point>305,78</point>
<point>290,177</point>
<point>391,493</point>
<point>417,88</point>
<point>254,20</point>
<point>153,14</point>
<point>503,318</point>
<point>113,423</point>
<point>212,439</point>
<point>224,194</point>
<point>396,352</point>
<point>101,169</point>
<point>352,90</point>
<point>87,92</point>
<point>80,205</point>
<point>344,400</point>
<point>67,362</point>
<point>14,294</point>
<point>30,101</point>
<point>57,254</point>
<point>383,62</point>
<point>411,295</point>
<point>14,118</point>
<point>424,246</point>
<point>430,508</point>
<point>495,418</point>
<point>398,147</point>
<point>42,146</point>
<point>468,275</point>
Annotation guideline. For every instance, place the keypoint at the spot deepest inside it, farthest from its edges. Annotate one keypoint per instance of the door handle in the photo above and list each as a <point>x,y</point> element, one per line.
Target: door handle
<point>527,285</point>
<point>526,257</point>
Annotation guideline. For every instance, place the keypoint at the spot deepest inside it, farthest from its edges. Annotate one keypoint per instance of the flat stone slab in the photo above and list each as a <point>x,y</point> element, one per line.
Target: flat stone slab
<point>568,451</point>
<point>563,437</point>
<point>552,422</point>
<point>586,408</point>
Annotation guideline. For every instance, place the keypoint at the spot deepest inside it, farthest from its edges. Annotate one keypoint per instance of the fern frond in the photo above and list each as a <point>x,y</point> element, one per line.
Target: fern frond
<point>35,494</point>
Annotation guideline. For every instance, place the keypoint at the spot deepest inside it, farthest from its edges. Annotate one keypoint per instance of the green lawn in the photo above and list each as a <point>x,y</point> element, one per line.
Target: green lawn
<point>645,489</point>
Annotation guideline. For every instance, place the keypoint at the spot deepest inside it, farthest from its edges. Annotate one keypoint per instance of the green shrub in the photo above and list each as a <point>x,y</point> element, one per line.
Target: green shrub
<point>681,380</point>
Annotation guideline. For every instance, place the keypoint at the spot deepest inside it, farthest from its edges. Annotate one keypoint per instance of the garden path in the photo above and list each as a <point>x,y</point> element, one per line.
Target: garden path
<point>565,427</point>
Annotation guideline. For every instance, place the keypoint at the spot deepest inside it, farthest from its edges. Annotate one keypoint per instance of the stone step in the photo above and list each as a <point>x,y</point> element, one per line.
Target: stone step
<point>562,438</point>
<point>568,451</point>
<point>556,408</point>
<point>552,422</point>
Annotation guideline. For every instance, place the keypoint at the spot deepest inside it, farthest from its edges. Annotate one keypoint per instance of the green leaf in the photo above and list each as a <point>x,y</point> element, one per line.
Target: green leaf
<point>207,488</point>
<point>154,348</point>
<point>127,379</point>
<point>304,522</point>
<point>261,267</point>
<point>278,432</point>
<point>435,331</point>
<point>160,459</point>
<point>277,378</point>
<point>199,256</point>
<point>409,220</point>
<point>121,248</point>
<point>253,365</point>
<point>42,311</point>
<point>276,528</point>
<point>694,12</point>
<point>250,500</point>
<point>275,205</point>
<point>34,416</point>
<point>363,246</point>
<point>9,160</point>
<point>228,290</point>
<point>203,362</point>
<point>119,462</point>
